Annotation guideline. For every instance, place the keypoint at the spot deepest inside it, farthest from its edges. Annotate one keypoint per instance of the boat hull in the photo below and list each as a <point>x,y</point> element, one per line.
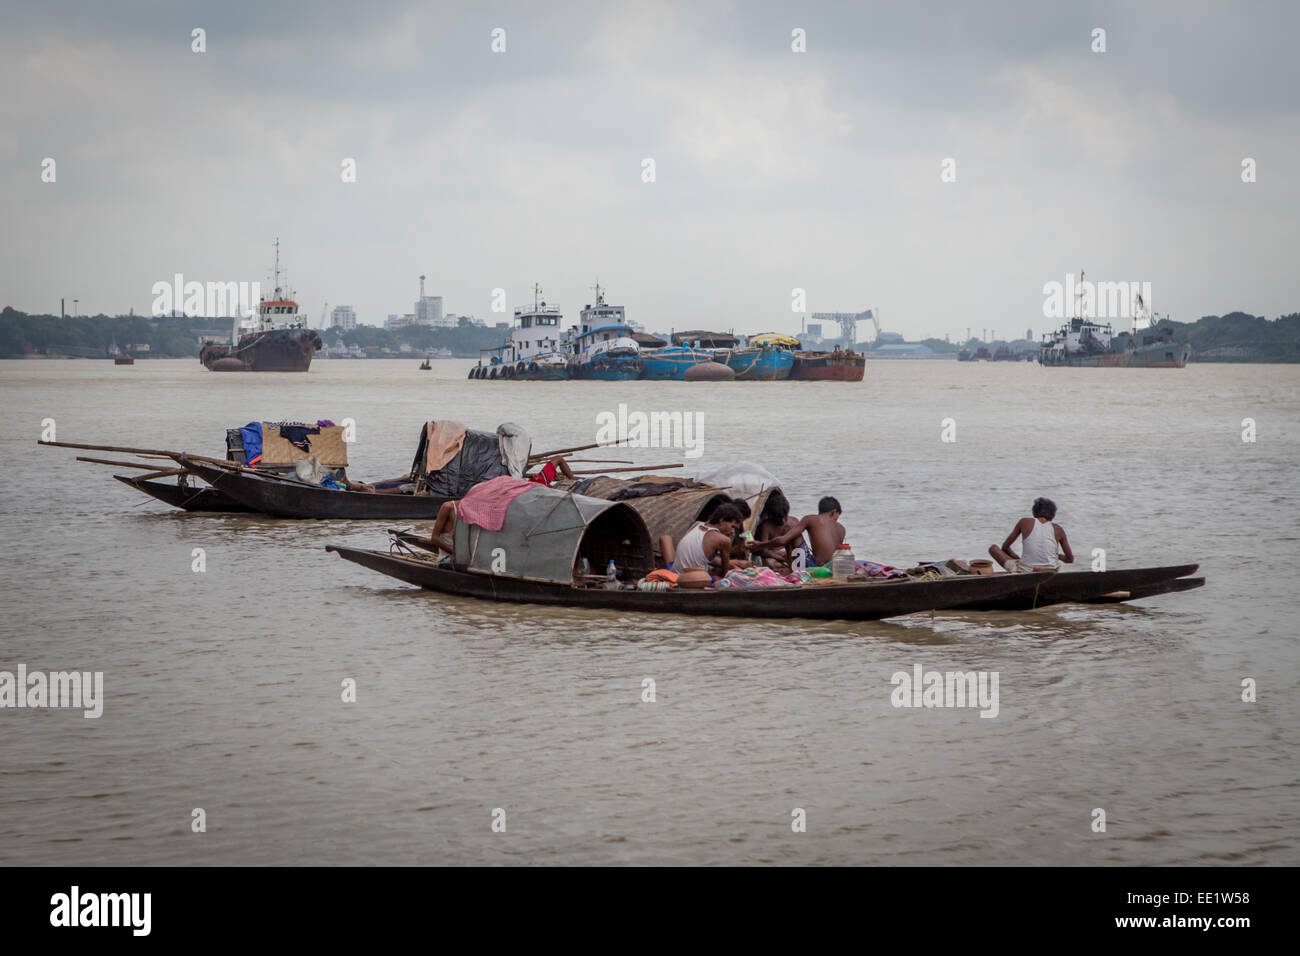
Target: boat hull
<point>279,350</point>
<point>671,364</point>
<point>1080,586</point>
<point>607,368</point>
<point>1151,590</point>
<point>759,365</point>
<point>187,499</point>
<point>286,498</point>
<point>852,602</point>
<point>828,367</point>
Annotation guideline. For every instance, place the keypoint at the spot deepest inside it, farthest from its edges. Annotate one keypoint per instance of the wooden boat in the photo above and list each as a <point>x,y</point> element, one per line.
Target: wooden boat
<point>548,534</point>
<point>850,602</point>
<point>284,497</point>
<point>1083,586</point>
<point>183,496</point>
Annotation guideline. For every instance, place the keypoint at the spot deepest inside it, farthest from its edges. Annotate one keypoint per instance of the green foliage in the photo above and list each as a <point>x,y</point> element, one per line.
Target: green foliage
<point>464,341</point>
<point>1241,337</point>
<point>22,334</point>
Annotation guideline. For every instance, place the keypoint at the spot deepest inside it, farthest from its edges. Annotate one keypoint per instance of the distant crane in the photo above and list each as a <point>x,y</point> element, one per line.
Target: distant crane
<point>848,322</point>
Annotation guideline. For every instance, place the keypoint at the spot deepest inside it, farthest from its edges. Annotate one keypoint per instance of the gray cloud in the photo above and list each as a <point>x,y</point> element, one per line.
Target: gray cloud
<point>775,170</point>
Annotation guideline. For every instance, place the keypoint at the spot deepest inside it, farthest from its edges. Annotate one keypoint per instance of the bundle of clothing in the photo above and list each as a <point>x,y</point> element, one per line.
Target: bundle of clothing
<point>873,570</point>
<point>762,578</point>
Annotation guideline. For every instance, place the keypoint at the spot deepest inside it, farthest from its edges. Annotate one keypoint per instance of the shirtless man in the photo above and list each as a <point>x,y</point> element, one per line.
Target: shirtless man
<point>706,545</point>
<point>823,528</point>
<point>444,527</point>
<point>1042,537</point>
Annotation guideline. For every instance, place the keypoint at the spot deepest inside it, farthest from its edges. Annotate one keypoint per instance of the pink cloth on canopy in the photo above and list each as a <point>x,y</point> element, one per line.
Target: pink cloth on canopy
<point>487,502</point>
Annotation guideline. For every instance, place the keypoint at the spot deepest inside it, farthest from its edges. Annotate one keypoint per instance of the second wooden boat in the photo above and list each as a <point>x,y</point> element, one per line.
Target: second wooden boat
<point>1083,586</point>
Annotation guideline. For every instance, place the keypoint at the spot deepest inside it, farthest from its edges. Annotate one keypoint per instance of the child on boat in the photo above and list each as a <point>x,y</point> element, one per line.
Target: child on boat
<point>1042,537</point>
<point>772,523</point>
<point>823,528</point>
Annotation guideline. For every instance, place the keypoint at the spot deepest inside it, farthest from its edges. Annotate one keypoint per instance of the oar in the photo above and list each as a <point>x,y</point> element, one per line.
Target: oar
<point>642,468</point>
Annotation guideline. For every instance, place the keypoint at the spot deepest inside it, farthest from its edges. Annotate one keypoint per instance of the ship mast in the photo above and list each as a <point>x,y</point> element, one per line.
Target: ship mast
<point>600,293</point>
<point>277,267</point>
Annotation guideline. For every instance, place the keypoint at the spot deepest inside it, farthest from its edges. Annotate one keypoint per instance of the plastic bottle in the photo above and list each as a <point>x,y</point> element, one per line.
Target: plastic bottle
<point>843,563</point>
<point>584,568</point>
<point>611,575</point>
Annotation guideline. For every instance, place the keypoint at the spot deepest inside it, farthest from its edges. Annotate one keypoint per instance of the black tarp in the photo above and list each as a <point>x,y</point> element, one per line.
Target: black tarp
<point>478,460</point>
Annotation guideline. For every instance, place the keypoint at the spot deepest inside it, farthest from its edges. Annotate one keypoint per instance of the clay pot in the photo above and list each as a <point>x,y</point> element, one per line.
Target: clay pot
<point>693,578</point>
<point>981,566</point>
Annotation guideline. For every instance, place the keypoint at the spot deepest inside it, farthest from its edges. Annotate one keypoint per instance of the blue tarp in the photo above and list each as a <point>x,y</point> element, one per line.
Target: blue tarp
<point>251,434</point>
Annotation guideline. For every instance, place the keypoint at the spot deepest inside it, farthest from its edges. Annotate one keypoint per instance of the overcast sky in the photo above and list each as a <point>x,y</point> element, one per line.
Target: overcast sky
<point>774,170</point>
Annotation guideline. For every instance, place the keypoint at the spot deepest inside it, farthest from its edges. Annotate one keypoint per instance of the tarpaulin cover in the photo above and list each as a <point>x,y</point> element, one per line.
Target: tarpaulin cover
<point>486,504</point>
<point>444,440</point>
<point>775,338</point>
<point>545,529</point>
<point>744,479</point>
<point>515,448</point>
<point>252,438</point>
<point>478,460</point>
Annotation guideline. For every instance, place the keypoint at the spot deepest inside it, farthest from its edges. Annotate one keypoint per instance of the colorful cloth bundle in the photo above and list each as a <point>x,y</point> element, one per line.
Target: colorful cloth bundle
<point>754,578</point>
<point>873,570</point>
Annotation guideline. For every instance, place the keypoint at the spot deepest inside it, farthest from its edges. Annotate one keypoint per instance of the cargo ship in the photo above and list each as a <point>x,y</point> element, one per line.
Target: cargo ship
<point>278,342</point>
<point>1083,343</point>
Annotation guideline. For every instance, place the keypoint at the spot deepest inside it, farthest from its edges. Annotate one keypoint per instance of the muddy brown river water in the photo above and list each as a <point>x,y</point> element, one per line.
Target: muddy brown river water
<point>221,689</point>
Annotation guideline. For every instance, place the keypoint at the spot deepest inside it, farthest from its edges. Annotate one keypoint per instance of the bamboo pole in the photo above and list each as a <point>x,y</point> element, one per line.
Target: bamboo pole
<point>564,451</point>
<point>599,461</point>
<point>144,452</point>
<point>150,453</point>
<point>646,469</point>
<point>168,473</point>
<point>146,466</point>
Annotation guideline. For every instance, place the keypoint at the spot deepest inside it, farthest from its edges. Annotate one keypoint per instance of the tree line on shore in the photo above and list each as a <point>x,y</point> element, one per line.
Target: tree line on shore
<point>1235,337</point>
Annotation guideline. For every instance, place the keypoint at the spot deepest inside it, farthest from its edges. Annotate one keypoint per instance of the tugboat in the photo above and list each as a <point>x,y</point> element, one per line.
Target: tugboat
<point>604,349</point>
<point>278,342</point>
<point>532,352</point>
